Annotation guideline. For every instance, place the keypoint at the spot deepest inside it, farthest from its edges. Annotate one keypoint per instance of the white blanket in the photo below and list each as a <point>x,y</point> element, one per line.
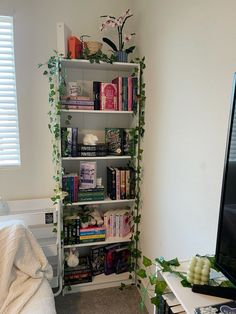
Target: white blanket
<point>23,267</point>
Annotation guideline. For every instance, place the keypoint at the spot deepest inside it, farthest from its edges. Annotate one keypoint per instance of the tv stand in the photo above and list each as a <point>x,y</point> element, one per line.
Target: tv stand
<point>222,292</point>
<point>186,297</point>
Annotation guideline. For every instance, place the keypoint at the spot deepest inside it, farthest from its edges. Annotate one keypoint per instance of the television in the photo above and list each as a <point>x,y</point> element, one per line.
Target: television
<point>226,236</point>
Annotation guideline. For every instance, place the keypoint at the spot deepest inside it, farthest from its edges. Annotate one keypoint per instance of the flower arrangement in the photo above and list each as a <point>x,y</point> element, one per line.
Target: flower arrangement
<point>113,22</point>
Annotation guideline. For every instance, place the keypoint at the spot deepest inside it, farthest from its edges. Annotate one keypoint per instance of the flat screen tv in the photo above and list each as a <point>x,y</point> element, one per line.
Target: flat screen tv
<point>226,235</point>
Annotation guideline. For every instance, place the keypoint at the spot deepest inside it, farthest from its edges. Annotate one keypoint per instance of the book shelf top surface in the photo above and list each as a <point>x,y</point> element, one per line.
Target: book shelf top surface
<point>103,66</point>
<point>109,240</point>
<point>98,111</point>
<point>106,201</point>
<point>109,157</point>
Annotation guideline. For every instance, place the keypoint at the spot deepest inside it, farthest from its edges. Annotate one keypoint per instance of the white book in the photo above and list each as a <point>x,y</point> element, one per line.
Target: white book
<point>63,33</point>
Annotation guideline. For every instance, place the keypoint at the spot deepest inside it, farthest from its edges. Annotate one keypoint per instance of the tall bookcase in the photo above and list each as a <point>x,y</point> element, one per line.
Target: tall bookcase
<point>95,121</point>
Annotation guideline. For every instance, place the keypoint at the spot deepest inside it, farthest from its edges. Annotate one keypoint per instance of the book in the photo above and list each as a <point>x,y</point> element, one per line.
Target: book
<point>118,82</point>
<point>88,174</point>
<point>122,260</point>
<point>117,170</point>
<point>96,95</point>
<point>109,262</point>
<point>74,142</point>
<point>128,142</point>
<point>92,154</point>
<point>132,183</point>
<point>74,47</point>
<point>111,183</point>
<point>130,94</point>
<point>127,183</point>
<point>114,140</point>
<point>66,142</point>
<point>71,227</point>
<point>106,219</point>
<point>77,107</point>
<point>108,96</point>
<point>134,94</point>
<point>122,183</point>
<point>125,93</point>
<point>92,148</point>
<point>78,102</point>
<point>226,307</point>
<point>92,236</point>
<point>125,222</point>
<point>97,260</point>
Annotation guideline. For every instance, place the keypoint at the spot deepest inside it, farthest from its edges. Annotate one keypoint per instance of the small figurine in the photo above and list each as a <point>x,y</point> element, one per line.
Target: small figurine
<point>90,139</point>
<point>72,259</point>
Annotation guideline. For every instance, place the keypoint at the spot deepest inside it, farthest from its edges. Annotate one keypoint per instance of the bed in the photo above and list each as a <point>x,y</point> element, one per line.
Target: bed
<point>24,272</point>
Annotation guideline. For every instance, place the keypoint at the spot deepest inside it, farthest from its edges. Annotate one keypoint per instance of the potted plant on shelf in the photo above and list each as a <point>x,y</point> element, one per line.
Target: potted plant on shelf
<point>110,21</point>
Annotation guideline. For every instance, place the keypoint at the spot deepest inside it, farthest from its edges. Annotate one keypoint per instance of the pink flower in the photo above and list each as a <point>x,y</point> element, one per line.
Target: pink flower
<point>127,38</point>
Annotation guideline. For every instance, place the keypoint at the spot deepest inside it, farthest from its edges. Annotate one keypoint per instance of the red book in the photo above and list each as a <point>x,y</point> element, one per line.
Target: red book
<point>108,96</point>
<point>118,82</point>
<point>130,88</point>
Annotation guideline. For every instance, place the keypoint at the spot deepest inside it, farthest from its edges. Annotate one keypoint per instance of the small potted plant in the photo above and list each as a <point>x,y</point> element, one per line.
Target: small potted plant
<point>112,22</point>
<point>85,216</point>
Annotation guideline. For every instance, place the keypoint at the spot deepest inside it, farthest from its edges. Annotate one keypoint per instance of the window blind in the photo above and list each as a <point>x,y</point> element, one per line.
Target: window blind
<point>9,130</point>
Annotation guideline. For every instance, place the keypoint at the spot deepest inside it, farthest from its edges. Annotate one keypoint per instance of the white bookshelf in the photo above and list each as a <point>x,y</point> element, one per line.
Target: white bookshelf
<point>97,158</point>
<point>106,201</point>
<point>96,111</point>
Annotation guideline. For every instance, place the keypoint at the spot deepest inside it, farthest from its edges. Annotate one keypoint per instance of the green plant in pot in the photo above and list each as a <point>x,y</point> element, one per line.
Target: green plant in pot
<point>112,22</point>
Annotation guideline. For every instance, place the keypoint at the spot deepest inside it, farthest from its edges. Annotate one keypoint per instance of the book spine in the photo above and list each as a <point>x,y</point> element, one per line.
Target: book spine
<point>69,141</point>
<point>117,225</point>
<point>92,233</point>
<point>77,102</point>
<point>92,240</point>
<point>132,183</point>
<point>122,184</point>
<point>125,93</point>
<point>74,142</point>
<point>93,229</point>
<point>77,107</point>
<point>117,183</point>
<point>127,183</point>
<point>96,95</point>
<point>134,93</point>
<point>130,93</point>
<point>76,187</point>
<point>111,183</point>
<point>106,224</point>
<point>118,82</point>
<point>93,236</point>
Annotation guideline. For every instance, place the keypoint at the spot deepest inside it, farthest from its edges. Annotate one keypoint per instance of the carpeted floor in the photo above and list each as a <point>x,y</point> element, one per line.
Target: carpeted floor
<point>104,301</point>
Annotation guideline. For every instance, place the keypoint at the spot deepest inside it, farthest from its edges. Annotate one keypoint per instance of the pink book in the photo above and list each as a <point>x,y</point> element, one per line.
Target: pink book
<point>125,226</point>
<point>117,183</point>
<point>118,82</point>
<point>130,100</point>
<point>108,96</point>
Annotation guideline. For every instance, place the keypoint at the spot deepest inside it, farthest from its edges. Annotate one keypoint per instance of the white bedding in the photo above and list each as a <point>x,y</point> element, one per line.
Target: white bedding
<point>24,271</point>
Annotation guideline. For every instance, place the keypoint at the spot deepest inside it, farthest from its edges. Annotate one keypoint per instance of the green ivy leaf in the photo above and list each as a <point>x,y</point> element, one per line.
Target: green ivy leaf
<point>156,301</point>
<point>142,273</point>
<point>146,261</point>
<point>160,287</point>
<point>185,283</point>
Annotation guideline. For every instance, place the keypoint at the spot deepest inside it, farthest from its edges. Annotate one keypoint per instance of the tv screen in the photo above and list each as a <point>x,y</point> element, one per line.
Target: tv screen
<point>226,236</point>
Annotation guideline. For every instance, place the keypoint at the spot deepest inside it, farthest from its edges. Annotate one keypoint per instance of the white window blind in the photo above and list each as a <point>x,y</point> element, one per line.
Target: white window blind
<point>9,131</point>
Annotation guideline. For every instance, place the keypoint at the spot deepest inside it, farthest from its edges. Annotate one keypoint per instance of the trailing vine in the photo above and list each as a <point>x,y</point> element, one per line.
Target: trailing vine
<point>51,71</point>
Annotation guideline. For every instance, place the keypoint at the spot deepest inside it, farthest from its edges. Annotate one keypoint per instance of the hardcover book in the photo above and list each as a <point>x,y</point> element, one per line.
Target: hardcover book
<point>97,260</point>
<point>128,142</point>
<point>114,140</point>
<point>125,93</point>
<point>88,174</point>
<point>108,96</point>
<point>109,264</point>
<point>66,142</point>
<point>122,260</point>
<point>96,95</point>
<point>134,94</point>
<point>111,183</point>
<point>118,82</point>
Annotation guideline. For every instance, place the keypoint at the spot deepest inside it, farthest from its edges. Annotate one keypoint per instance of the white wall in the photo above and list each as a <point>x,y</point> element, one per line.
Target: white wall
<point>35,38</point>
<point>190,49</point>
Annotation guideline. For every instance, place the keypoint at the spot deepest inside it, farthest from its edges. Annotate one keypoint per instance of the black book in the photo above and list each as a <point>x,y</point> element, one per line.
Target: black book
<point>111,183</point>
<point>134,94</point>
<point>97,260</point>
<point>122,260</point>
<point>226,307</point>
<point>96,95</point>
<point>74,142</point>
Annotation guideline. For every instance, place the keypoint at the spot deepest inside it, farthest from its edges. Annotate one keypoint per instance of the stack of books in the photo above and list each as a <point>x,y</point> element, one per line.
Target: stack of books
<point>70,184</point>
<point>121,183</point>
<point>82,273</point>
<point>97,150</point>
<point>92,234</point>
<point>77,103</point>
<point>116,259</point>
<point>90,195</point>
<point>69,142</point>
<point>117,222</point>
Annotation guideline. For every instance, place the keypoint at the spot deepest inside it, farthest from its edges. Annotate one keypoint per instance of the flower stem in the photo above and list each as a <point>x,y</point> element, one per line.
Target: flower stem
<point>120,37</point>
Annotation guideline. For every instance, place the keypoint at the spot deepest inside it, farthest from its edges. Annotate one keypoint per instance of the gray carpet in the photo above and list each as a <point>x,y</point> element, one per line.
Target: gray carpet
<point>104,301</point>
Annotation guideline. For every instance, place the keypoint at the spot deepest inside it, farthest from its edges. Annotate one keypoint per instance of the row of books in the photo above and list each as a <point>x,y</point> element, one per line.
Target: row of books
<point>102,260</point>
<point>118,141</point>
<point>121,183</point>
<point>117,222</point>
<point>120,94</point>
<point>70,184</point>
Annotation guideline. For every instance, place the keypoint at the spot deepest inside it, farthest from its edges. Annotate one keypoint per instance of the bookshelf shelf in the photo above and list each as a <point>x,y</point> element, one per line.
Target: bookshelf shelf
<point>106,201</point>
<point>109,240</point>
<point>101,281</point>
<point>97,158</point>
<point>97,111</point>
